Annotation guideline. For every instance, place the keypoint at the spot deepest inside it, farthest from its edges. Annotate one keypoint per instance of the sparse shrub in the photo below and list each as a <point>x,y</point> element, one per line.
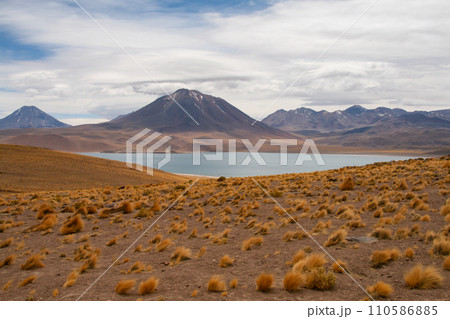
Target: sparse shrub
<point>215,284</point>
<point>43,210</point>
<point>148,286</point>
<point>124,286</point>
<point>380,289</point>
<point>347,185</point>
<point>264,282</point>
<point>299,255</point>
<point>32,263</point>
<point>226,261</point>
<point>27,281</point>
<point>337,237</point>
<point>112,242</point>
<point>8,261</point>
<point>381,257</point>
<point>137,267</point>
<point>339,266</point>
<point>421,277</point>
<point>72,278</point>
<point>251,242</point>
<point>409,253</point>
<point>201,252</point>
<point>74,225</point>
<point>319,279</point>
<point>156,239</point>
<point>6,242</point>
<point>293,281</point>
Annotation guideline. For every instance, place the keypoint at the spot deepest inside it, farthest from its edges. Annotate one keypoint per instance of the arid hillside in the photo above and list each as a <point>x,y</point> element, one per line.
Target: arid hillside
<point>26,169</point>
<point>387,226</point>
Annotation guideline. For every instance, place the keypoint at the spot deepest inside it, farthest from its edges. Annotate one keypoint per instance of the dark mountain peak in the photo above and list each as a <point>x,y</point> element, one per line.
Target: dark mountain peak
<point>30,117</point>
<point>355,110</point>
<point>193,111</point>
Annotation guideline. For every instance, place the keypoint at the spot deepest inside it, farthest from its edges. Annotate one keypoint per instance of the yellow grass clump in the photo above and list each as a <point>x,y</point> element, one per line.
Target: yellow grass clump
<point>181,253</point>
<point>441,246</point>
<point>382,233</point>
<point>251,242</point>
<point>380,289</point>
<point>8,261</point>
<point>32,262</point>
<point>336,237</point>
<point>339,266</point>
<point>347,185</point>
<point>226,261</point>
<point>293,281</point>
<point>409,253</point>
<point>421,277</point>
<point>381,257</point>
<point>148,286</point>
<point>446,264</point>
<point>124,286</point>
<point>233,283</point>
<point>163,245</point>
<point>319,279</point>
<point>73,225</point>
<point>215,284</point>
<point>6,242</point>
<point>71,279</point>
<point>264,282</point>
<point>27,281</point>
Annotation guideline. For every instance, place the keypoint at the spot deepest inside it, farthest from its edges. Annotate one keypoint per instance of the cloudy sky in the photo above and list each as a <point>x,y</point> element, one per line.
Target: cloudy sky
<point>54,56</point>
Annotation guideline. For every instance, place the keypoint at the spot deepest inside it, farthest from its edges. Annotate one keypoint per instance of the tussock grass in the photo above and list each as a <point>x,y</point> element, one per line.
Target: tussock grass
<point>181,253</point>
<point>27,281</point>
<point>421,277</point>
<point>226,261</point>
<point>293,281</point>
<point>6,242</point>
<point>73,225</point>
<point>233,283</point>
<point>446,263</point>
<point>264,282</point>
<point>163,245</point>
<point>347,184</point>
<point>157,239</point>
<point>215,284</point>
<point>381,257</point>
<point>441,246</point>
<point>336,237</point>
<point>8,260</point>
<point>382,233</point>
<point>72,278</point>
<point>409,253</point>
<point>319,279</point>
<point>7,285</point>
<point>148,286</point>
<point>123,287</point>
<point>251,243</point>
<point>380,289</point>
<point>32,262</point>
<point>339,266</point>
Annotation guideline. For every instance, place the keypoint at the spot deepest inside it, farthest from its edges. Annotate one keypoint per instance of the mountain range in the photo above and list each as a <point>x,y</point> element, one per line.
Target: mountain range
<point>188,114</point>
<point>30,117</point>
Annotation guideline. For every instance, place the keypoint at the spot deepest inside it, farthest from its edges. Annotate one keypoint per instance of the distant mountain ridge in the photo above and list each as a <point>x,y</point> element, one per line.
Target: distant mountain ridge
<point>306,120</point>
<point>30,117</point>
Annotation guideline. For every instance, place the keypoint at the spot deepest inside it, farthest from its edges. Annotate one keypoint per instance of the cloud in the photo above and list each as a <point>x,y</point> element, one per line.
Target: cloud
<point>395,55</point>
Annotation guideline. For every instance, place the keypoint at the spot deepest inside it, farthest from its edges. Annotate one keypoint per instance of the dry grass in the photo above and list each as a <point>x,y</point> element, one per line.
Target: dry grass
<point>48,222</point>
<point>336,237</point>
<point>382,233</point>
<point>124,286</point>
<point>339,266</point>
<point>446,263</point>
<point>233,283</point>
<point>181,253</point>
<point>226,261</point>
<point>55,292</point>
<point>409,253</point>
<point>8,261</point>
<point>380,289</point>
<point>293,281</point>
<point>381,257</point>
<point>421,277</point>
<point>347,184</point>
<point>148,286</point>
<point>27,281</point>
<point>163,245</point>
<point>73,225</point>
<point>7,285</point>
<point>264,282</point>
<point>215,284</point>
<point>6,242</point>
<point>72,278</point>
<point>441,246</point>
<point>251,242</point>
<point>32,262</point>
<point>319,279</point>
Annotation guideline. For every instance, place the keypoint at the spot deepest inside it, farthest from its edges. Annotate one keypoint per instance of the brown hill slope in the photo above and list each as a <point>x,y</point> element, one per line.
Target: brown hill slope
<point>25,168</point>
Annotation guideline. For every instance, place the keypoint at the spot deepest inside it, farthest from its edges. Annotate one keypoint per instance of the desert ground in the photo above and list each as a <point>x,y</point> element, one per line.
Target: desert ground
<point>387,225</point>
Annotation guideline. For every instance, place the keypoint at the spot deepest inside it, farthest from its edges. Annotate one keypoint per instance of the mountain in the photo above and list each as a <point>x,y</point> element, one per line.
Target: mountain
<point>30,117</point>
<point>305,120</point>
<point>216,118</point>
<point>380,128</point>
<point>192,111</point>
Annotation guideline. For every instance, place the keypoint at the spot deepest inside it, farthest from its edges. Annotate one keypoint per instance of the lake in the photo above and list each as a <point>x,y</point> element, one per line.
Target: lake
<point>183,163</point>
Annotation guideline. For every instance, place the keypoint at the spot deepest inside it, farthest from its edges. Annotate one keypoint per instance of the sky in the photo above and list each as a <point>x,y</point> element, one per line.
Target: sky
<point>366,52</point>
